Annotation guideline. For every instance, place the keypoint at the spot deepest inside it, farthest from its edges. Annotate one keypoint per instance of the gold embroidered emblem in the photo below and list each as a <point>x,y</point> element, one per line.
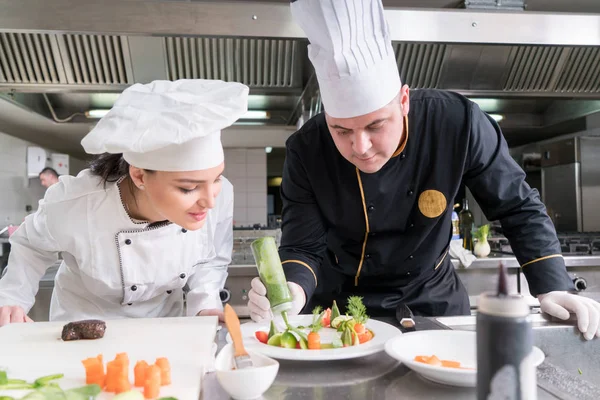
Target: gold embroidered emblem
<point>432,203</point>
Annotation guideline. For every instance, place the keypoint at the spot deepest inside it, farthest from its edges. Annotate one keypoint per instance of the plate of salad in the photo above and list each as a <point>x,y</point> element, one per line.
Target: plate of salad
<point>321,336</point>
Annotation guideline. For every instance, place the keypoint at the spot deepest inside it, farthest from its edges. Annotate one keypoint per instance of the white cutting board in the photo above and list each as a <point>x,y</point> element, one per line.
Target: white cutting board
<point>29,351</point>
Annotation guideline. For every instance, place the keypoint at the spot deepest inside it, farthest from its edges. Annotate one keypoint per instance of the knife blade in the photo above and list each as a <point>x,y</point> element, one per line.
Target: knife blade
<point>405,317</point>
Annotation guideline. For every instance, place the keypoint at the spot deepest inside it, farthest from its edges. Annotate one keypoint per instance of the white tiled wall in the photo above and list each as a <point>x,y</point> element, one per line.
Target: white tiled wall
<point>14,193</point>
<point>246,169</point>
<point>16,190</point>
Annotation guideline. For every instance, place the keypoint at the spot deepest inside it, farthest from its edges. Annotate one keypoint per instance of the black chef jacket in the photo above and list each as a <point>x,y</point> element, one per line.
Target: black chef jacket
<point>385,236</point>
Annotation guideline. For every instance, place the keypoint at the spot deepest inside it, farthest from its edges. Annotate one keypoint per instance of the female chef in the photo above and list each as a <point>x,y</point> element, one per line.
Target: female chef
<point>151,217</point>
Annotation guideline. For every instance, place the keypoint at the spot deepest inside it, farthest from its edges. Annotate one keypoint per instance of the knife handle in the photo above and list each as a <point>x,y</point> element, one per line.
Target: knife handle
<point>233,326</point>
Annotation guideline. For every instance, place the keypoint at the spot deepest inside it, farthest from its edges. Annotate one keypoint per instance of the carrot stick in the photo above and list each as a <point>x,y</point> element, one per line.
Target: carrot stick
<point>97,379</point>
<point>165,370</point>
<point>139,373</point>
<point>123,385</point>
<point>113,372</point>
<point>314,341</point>
<point>359,328</point>
<point>93,366</point>
<point>152,384</point>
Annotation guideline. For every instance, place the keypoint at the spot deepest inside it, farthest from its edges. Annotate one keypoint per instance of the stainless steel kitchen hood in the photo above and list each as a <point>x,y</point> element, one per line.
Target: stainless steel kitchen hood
<point>540,69</point>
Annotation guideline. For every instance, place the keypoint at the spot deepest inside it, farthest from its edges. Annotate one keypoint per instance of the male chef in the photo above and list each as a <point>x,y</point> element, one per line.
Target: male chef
<point>368,185</point>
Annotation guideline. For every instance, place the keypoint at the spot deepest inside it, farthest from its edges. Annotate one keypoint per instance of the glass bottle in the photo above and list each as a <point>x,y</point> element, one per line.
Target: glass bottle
<point>465,218</point>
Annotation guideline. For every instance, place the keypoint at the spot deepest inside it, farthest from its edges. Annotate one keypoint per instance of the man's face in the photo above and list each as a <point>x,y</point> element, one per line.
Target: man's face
<point>48,180</point>
<point>370,140</point>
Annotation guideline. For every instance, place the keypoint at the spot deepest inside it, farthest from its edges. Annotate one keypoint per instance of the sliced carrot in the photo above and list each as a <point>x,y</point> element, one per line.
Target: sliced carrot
<point>433,360</point>
<point>314,341</point>
<point>152,384</point>
<point>114,372</point>
<point>359,328</point>
<point>450,364</point>
<point>365,337</point>
<point>422,359</point>
<point>123,385</point>
<point>165,370</point>
<point>93,366</point>
<point>139,373</point>
<point>97,379</point>
<point>122,357</point>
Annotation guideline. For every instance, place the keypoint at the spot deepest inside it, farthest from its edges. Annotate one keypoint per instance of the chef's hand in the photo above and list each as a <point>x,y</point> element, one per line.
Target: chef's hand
<point>260,307</point>
<point>13,314</point>
<point>561,304</point>
<point>212,311</point>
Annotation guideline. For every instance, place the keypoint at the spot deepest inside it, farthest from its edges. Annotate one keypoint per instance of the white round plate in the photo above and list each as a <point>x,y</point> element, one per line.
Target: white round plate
<point>446,345</point>
<point>381,330</point>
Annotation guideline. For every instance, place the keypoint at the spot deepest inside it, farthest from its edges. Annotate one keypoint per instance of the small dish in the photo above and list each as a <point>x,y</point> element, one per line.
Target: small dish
<point>458,346</point>
<point>248,383</point>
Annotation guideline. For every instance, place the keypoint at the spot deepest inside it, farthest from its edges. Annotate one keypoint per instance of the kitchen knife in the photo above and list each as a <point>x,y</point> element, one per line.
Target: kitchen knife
<point>405,318</point>
<point>241,359</point>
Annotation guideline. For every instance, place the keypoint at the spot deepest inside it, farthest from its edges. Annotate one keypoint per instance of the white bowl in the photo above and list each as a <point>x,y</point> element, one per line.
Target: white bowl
<point>247,383</point>
<point>446,345</point>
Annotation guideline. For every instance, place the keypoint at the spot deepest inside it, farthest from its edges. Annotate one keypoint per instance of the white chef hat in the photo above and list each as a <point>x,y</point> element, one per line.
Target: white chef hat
<point>170,125</point>
<point>351,51</point>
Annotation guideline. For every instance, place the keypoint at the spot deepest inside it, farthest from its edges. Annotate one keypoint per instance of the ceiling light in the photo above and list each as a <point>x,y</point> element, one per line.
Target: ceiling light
<point>256,114</point>
<point>487,105</point>
<point>268,149</point>
<point>497,117</point>
<point>96,113</point>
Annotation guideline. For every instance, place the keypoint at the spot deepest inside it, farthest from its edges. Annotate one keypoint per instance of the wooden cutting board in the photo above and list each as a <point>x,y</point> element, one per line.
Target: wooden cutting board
<point>29,351</point>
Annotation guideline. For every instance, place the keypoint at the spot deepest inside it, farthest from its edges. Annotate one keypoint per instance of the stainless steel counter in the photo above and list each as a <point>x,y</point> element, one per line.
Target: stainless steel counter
<point>374,377</point>
<point>509,261</point>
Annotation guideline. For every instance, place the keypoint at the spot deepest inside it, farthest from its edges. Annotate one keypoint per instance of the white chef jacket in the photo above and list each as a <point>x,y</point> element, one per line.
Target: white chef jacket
<point>114,267</point>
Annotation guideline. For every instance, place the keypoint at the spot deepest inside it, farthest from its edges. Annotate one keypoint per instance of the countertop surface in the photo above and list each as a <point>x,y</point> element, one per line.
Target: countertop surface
<point>378,376</point>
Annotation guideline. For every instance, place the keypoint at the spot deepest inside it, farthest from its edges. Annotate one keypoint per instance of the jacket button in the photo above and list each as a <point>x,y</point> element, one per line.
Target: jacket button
<point>367,256</point>
<point>410,257</point>
<point>183,230</point>
<point>412,225</point>
<point>129,304</point>
<point>402,156</point>
<point>408,274</point>
<point>370,208</point>
<point>133,288</point>
<point>182,276</point>
<point>371,233</point>
<point>169,291</point>
<point>410,192</point>
<point>128,241</point>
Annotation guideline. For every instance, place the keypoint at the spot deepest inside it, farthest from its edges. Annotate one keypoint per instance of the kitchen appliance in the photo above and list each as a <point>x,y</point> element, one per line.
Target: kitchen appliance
<point>571,183</point>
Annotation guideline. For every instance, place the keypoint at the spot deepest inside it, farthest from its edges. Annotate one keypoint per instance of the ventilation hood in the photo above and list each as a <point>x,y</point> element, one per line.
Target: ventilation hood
<point>540,69</point>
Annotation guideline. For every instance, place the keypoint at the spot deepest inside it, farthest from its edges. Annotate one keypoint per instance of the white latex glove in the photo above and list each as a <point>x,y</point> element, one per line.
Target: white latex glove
<point>260,307</point>
<point>561,304</point>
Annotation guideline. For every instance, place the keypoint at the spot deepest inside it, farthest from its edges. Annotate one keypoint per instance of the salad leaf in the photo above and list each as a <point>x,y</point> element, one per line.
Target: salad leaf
<point>317,317</point>
<point>84,392</point>
<point>47,380</point>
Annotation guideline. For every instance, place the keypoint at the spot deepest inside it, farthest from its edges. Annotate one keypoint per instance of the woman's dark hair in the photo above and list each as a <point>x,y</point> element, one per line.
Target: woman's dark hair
<point>109,167</point>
